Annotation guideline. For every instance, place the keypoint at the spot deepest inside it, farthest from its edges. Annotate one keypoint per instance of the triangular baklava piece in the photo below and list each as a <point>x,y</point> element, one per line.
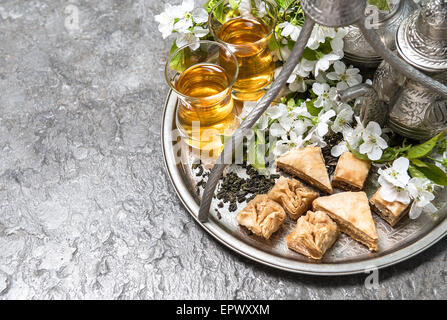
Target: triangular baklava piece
<point>294,197</point>
<point>314,234</point>
<point>307,164</point>
<point>352,213</point>
<point>262,216</point>
<point>391,212</point>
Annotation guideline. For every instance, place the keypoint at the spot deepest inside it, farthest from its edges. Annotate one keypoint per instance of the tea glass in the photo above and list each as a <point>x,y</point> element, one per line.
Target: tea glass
<point>247,34</point>
<point>203,84</point>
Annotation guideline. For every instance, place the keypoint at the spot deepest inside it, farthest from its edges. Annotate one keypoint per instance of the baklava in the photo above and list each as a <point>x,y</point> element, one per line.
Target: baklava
<point>314,234</point>
<point>294,197</point>
<point>350,173</point>
<point>262,216</point>
<point>351,211</point>
<point>391,212</point>
<point>308,165</point>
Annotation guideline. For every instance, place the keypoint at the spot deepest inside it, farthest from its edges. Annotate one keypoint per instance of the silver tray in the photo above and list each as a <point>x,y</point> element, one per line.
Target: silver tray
<point>347,256</point>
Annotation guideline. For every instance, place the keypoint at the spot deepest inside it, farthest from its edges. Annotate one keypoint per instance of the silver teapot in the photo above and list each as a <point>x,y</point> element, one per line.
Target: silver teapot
<point>408,107</point>
<point>357,49</point>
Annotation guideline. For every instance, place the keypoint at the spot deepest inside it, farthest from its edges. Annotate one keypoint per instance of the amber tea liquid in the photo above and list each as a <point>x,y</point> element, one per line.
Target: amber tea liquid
<point>209,102</point>
<point>248,40</point>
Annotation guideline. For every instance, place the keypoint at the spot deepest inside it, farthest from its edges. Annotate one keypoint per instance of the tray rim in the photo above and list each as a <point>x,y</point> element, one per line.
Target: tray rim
<point>268,259</point>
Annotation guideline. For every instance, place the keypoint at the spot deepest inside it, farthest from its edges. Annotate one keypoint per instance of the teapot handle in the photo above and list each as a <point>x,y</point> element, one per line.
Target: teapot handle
<point>371,109</point>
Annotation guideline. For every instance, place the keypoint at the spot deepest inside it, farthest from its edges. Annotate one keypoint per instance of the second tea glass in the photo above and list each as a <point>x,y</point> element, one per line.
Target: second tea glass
<point>202,75</point>
<point>247,32</point>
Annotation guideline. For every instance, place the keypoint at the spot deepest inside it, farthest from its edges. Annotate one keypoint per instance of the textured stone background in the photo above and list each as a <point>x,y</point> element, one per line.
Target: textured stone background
<point>86,208</point>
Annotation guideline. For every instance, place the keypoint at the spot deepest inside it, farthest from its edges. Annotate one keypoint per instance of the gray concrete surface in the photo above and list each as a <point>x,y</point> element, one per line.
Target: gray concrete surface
<point>86,207</point>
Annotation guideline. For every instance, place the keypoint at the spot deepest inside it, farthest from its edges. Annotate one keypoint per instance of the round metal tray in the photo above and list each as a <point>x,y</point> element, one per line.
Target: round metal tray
<point>347,256</point>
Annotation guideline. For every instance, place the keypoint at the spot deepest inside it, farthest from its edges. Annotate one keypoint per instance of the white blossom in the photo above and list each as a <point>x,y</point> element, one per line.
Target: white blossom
<point>350,136</point>
<point>191,37</point>
<point>344,118</point>
<point>326,61</point>
<point>285,144</point>
<point>319,35</point>
<point>373,144</point>
<point>321,122</point>
<point>181,19</point>
<point>166,21</point>
<point>326,95</point>
<point>245,7</point>
<point>394,181</point>
<point>302,70</point>
<point>345,77</point>
<point>421,191</point>
<point>290,30</point>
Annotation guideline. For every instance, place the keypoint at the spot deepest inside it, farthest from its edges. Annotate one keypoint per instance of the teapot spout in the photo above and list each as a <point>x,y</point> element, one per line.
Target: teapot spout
<point>371,108</point>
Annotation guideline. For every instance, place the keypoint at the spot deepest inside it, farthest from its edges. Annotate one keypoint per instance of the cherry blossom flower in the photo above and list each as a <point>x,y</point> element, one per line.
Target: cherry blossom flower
<point>166,21</point>
<point>373,144</point>
<point>350,136</point>
<point>326,95</point>
<point>421,191</point>
<point>343,119</point>
<point>322,126</point>
<point>319,35</point>
<point>286,144</point>
<point>301,71</point>
<point>290,30</point>
<point>345,77</point>
<point>326,61</point>
<point>394,181</point>
<point>191,37</point>
<point>246,6</point>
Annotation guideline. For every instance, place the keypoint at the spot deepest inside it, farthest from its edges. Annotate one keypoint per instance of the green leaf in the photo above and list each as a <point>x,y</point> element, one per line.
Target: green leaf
<point>219,11</point>
<point>173,48</point>
<point>380,4</point>
<point>310,54</point>
<point>256,151</point>
<point>419,163</point>
<point>314,111</point>
<point>434,173</point>
<point>284,4</point>
<point>389,155</point>
<point>234,4</point>
<point>291,104</point>
<point>180,61</point>
<point>274,43</point>
<point>424,149</point>
<point>325,48</point>
<point>415,173</point>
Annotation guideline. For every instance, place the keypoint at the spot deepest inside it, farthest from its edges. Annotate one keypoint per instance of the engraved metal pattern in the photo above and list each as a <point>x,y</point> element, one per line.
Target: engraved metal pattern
<point>400,65</point>
<point>387,82</point>
<point>357,49</point>
<point>334,13</point>
<point>419,113</point>
<point>415,40</point>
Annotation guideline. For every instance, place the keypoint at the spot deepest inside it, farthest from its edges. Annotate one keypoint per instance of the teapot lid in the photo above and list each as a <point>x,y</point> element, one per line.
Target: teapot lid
<point>422,38</point>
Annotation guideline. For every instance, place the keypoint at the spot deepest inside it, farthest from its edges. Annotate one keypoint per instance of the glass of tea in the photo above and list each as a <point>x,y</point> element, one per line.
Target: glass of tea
<point>202,75</point>
<point>247,32</point>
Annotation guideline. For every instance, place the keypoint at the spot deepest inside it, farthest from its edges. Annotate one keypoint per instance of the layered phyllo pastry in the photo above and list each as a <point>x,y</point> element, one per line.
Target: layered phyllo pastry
<point>351,211</point>
<point>294,197</point>
<point>308,165</point>
<point>350,173</point>
<point>391,212</point>
<point>314,234</point>
<point>262,216</point>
